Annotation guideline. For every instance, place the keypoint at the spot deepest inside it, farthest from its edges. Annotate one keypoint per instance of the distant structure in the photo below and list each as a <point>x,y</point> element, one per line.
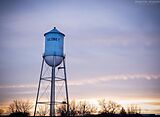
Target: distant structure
<point>54,59</point>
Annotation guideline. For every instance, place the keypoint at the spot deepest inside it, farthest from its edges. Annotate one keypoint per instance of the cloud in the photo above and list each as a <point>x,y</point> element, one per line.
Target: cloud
<point>153,103</point>
<point>113,77</point>
<point>17,86</point>
<point>93,80</point>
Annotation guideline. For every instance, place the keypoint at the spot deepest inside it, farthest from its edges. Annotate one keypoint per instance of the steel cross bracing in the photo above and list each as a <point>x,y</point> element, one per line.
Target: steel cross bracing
<point>44,93</point>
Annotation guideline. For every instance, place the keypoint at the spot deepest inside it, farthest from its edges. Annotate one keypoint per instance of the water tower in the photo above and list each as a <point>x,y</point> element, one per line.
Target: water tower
<point>53,58</point>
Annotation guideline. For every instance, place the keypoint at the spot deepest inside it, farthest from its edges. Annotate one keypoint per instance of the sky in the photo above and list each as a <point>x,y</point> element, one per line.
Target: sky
<point>112,49</point>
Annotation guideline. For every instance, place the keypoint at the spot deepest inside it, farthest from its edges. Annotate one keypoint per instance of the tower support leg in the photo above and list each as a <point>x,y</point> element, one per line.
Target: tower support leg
<point>38,88</point>
<point>53,78</point>
<point>66,87</point>
<point>52,98</point>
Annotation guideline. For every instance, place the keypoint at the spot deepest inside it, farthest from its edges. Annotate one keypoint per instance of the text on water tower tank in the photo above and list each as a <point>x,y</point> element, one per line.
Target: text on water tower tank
<point>53,39</point>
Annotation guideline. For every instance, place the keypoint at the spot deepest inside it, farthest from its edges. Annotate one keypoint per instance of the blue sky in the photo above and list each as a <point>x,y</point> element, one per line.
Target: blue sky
<point>112,47</point>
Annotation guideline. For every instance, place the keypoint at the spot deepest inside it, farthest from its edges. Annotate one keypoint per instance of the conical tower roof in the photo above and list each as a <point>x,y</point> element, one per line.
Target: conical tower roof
<point>54,31</point>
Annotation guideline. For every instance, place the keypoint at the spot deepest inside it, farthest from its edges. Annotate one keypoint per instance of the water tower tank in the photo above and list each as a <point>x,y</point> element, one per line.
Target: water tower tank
<point>53,54</point>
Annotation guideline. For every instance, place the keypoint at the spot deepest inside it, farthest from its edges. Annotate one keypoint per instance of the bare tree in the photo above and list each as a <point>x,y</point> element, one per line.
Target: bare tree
<point>20,106</point>
<point>81,108</point>
<point>92,108</point>
<point>43,110</point>
<point>123,111</point>
<point>133,109</point>
<point>109,107</point>
<point>73,108</point>
<point>62,110</point>
<point>113,107</point>
<point>84,108</point>
<point>103,106</point>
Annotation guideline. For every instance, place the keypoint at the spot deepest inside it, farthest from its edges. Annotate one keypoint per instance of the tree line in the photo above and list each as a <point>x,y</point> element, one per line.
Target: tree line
<point>80,108</point>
